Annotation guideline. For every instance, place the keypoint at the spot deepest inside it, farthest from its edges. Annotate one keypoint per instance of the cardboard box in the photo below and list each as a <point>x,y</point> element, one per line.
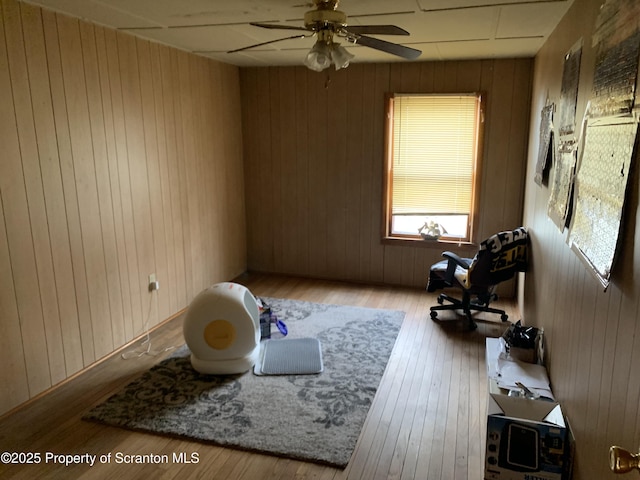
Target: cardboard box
<point>523,354</point>
<point>532,354</point>
<point>526,439</point>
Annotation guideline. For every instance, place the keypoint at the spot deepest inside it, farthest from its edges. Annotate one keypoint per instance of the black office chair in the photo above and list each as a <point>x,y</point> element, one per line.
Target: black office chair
<point>498,259</point>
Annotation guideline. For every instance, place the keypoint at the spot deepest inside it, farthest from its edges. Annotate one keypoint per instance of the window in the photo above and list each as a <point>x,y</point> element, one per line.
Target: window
<point>432,159</point>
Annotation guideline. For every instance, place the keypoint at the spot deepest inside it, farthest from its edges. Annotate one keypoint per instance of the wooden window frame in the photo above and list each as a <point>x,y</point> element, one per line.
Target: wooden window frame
<point>387,236</point>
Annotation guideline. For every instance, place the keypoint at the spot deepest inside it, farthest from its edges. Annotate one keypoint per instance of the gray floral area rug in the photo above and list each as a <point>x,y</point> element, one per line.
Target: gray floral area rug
<point>308,417</point>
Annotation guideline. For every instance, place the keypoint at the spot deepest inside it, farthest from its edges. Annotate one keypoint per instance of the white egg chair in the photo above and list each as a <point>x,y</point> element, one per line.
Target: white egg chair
<point>222,329</point>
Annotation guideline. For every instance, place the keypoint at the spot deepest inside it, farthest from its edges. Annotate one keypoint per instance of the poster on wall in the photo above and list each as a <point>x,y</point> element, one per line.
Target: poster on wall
<point>616,41</point>
<point>609,139</point>
<point>558,207</point>
<point>545,154</point>
<point>569,90</point>
<point>600,188</point>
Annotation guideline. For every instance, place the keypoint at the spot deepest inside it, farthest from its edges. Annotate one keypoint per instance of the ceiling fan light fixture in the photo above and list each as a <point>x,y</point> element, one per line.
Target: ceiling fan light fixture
<point>325,22</point>
<point>340,56</point>
<point>319,57</point>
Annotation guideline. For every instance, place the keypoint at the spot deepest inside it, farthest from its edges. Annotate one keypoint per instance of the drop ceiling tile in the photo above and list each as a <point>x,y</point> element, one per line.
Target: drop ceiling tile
<point>430,5</point>
<point>208,12</point>
<point>529,20</point>
<point>217,38</point>
<point>399,19</point>
<point>275,58</point>
<point>356,8</point>
<point>96,12</point>
<point>524,47</point>
<point>452,25</point>
<point>257,59</point>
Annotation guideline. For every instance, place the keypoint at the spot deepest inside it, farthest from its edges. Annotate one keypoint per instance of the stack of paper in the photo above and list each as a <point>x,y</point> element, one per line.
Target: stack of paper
<point>512,372</point>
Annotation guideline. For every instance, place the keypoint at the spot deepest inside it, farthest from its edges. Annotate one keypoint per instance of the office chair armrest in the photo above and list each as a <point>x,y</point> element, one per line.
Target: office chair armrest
<point>453,262</point>
<point>463,262</point>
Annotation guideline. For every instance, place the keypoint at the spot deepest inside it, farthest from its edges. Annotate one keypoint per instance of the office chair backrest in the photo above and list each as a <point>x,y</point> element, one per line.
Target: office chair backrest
<point>499,258</point>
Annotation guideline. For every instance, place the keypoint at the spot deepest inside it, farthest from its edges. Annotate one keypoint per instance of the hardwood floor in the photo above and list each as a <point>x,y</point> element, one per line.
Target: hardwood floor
<point>426,422</point>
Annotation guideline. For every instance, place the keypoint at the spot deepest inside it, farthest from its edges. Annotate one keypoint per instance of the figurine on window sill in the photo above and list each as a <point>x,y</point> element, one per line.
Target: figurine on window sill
<point>431,230</point>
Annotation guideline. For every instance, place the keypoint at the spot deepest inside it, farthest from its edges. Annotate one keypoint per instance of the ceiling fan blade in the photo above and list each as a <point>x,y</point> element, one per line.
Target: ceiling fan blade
<point>267,43</point>
<point>278,26</point>
<point>392,48</point>
<point>376,30</point>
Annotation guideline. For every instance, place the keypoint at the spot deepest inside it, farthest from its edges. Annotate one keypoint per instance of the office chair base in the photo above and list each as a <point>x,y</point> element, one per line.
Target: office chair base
<point>467,306</point>
<point>434,316</point>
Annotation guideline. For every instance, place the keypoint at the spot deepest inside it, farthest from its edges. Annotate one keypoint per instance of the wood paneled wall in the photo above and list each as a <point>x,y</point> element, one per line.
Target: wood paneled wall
<point>120,158</point>
<point>314,163</point>
<point>593,337</point>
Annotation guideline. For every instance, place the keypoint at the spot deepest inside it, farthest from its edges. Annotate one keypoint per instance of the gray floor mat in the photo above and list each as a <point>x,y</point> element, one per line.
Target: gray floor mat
<point>298,356</point>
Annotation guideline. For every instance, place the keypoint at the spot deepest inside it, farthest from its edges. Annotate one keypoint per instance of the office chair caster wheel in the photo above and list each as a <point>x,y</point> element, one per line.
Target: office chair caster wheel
<point>504,317</point>
<point>440,301</point>
<point>434,314</point>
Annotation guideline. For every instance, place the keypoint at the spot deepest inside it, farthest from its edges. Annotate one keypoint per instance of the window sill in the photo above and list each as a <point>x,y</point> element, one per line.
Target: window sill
<point>419,242</point>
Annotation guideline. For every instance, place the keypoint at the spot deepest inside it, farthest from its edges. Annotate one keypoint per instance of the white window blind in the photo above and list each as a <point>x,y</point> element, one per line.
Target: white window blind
<point>434,153</point>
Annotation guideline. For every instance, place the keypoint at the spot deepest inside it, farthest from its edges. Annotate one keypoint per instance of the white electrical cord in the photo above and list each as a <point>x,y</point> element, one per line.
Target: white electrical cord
<point>137,353</point>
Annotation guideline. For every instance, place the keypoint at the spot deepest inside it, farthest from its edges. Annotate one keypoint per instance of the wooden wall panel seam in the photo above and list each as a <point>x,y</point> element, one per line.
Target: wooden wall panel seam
<point>15,190</point>
<point>111,173</point>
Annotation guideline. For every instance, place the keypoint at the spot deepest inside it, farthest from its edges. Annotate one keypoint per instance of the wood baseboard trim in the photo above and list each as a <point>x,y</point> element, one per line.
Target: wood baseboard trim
<point>86,369</point>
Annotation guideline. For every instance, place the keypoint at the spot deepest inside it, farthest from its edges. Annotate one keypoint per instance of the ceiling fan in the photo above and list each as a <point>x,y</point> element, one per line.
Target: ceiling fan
<point>327,22</point>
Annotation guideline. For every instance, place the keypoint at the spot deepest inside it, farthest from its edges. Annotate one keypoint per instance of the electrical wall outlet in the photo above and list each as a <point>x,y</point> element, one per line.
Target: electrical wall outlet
<point>153,283</point>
